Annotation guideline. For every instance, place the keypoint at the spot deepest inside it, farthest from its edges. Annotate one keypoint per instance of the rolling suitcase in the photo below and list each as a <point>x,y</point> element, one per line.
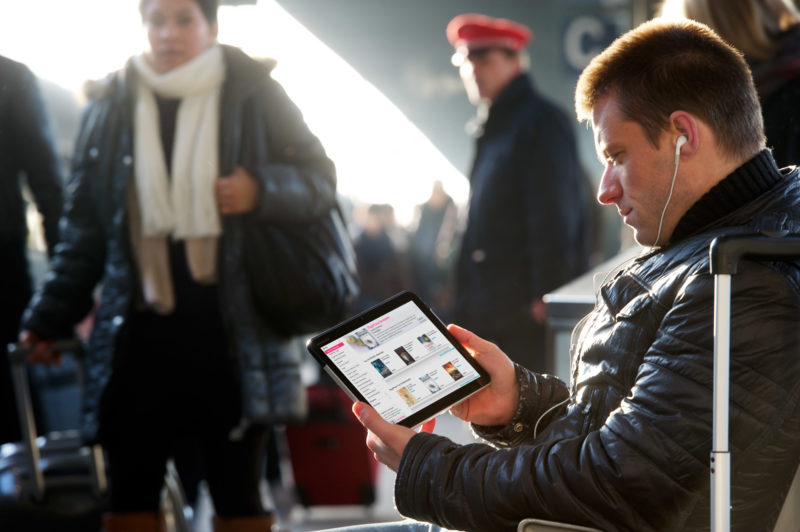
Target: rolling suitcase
<point>725,253</point>
<point>57,483</point>
<point>51,482</point>
<point>330,461</point>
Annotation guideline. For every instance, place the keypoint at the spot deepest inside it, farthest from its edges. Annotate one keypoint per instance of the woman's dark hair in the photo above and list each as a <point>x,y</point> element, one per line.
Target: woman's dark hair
<point>208,7</point>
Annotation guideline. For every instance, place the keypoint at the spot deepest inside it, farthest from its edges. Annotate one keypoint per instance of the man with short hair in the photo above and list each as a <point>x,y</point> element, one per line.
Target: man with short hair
<point>527,230</point>
<point>626,445</point>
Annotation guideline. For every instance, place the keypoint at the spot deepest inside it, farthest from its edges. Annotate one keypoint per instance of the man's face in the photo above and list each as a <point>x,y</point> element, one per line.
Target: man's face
<point>177,31</point>
<point>637,175</point>
<point>486,73</point>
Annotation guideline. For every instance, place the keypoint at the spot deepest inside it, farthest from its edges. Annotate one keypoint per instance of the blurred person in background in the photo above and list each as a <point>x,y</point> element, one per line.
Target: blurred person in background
<point>380,257</point>
<point>180,153</point>
<point>432,248</point>
<point>527,229</point>
<point>767,32</point>
<point>27,149</point>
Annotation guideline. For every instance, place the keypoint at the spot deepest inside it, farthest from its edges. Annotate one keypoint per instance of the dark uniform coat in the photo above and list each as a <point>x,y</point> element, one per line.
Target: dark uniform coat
<point>527,228</point>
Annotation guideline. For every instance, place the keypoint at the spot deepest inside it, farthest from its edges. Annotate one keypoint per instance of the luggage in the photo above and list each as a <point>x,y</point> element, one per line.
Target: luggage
<point>330,461</point>
<point>56,483</point>
<point>725,253</point>
<point>50,482</point>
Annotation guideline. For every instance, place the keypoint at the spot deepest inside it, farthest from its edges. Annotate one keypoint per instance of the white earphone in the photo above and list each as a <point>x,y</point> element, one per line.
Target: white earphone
<point>680,142</point>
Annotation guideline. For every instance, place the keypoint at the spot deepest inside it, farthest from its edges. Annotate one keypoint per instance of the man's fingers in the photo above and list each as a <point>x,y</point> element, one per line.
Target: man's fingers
<point>486,353</point>
<point>369,417</point>
<point>384,439</point>
<point>461,410</point>
<point>470,340</point>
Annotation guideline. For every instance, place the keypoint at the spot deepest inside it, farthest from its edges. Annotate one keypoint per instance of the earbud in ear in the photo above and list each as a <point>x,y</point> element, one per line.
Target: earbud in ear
<point>680,142</point>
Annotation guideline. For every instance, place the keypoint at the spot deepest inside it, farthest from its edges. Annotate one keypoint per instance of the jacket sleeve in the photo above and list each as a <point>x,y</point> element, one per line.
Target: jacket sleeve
<point>542,398</point>
<point>645,466</point>
<point>35,148</point>
<point>77,264</point>
<point>555,199</point>
<point>298,180</point>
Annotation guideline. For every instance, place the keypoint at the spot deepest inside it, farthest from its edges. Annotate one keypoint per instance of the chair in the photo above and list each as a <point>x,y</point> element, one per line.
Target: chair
<point>540,525</point>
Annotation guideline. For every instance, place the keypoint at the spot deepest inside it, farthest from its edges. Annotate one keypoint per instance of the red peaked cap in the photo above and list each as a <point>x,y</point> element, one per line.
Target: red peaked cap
<point>475,32</point>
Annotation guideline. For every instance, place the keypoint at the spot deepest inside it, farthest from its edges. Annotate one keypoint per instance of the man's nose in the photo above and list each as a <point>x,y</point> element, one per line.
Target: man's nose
<point>609,190</point>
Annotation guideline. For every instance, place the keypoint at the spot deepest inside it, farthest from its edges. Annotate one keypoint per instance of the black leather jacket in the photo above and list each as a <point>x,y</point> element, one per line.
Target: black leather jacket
<point>630,449</point>
<point>261,130</point>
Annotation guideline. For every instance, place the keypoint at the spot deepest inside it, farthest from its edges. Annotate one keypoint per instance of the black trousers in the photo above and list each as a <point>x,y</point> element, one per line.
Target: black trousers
<point>15,291</point>
<point>173,393</point>
<point>231,470</point>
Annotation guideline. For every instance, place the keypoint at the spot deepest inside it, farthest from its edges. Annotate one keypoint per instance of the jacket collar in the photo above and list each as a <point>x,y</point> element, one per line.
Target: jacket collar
<point>751,180</point>
<point>506,103</point>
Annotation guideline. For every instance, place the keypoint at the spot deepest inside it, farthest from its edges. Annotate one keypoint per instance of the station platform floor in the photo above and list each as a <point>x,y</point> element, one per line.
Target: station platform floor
<point>292,517</point>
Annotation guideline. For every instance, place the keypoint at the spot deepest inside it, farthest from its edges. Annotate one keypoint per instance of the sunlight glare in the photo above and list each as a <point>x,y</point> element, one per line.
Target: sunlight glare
<point>381,157</point>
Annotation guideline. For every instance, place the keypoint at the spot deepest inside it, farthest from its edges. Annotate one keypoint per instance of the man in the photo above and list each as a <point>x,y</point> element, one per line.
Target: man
<point>26,147</point>
<point>527,229</point>
<point>626,446</point>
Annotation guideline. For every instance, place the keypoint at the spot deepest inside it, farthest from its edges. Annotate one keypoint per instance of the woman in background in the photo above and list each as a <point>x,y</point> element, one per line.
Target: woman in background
<point>180,152</point>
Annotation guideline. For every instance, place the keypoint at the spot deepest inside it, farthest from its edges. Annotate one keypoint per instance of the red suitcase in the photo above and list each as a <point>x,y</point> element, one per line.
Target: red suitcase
<point>330,461</point>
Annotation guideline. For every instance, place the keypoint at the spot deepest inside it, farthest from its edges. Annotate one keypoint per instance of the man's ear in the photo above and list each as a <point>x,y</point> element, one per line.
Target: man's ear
<point>684,124</point>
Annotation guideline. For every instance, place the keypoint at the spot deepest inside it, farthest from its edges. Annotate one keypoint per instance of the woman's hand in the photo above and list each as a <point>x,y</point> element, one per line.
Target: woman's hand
<point>495,404</point>
<point>40,350</point>
<point>236,193</point>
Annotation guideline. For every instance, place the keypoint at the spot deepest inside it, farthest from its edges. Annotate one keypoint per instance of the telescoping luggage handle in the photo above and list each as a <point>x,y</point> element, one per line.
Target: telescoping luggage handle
<point>725,254</point>
<point>16,357</point>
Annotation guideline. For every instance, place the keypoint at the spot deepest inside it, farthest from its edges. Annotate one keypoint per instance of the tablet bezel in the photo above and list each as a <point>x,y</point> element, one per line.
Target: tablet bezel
<point>315,348</point>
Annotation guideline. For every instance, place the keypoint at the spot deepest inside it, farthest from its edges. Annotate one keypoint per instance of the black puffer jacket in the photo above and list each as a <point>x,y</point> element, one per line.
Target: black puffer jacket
<point>261,130</point>
<point>630,450</point>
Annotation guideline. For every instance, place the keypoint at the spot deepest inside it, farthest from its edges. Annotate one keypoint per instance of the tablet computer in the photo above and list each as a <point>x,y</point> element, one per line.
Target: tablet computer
<point>401,359</point>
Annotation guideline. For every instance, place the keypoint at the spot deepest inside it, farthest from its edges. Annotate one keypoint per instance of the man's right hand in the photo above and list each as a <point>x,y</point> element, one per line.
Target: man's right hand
<point>40,350</point>
<point>495,404</point>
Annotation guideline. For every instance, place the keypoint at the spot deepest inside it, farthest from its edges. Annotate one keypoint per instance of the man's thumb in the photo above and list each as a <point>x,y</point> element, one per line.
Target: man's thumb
<point>368,416</point>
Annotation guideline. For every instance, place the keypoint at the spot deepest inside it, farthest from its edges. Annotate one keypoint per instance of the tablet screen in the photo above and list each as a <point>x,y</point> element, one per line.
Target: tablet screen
<point>400,359</point>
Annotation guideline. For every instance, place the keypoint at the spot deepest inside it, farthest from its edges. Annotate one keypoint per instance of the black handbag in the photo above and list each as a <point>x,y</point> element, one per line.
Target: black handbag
<point>303,276</point>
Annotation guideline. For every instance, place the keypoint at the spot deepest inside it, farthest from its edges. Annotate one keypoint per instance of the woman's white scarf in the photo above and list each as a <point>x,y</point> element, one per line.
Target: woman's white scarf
<point>184,206</point>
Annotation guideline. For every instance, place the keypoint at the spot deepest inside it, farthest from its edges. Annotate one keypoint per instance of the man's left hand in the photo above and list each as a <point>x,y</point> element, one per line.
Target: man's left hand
<point>386,440</point>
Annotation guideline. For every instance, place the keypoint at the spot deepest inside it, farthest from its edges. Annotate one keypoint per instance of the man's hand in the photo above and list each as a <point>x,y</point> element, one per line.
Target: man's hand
<point>495,404</point>
<point>40,350</point>
<point>386,440</point>
<point>539,311</point>
<point>236,193</point>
